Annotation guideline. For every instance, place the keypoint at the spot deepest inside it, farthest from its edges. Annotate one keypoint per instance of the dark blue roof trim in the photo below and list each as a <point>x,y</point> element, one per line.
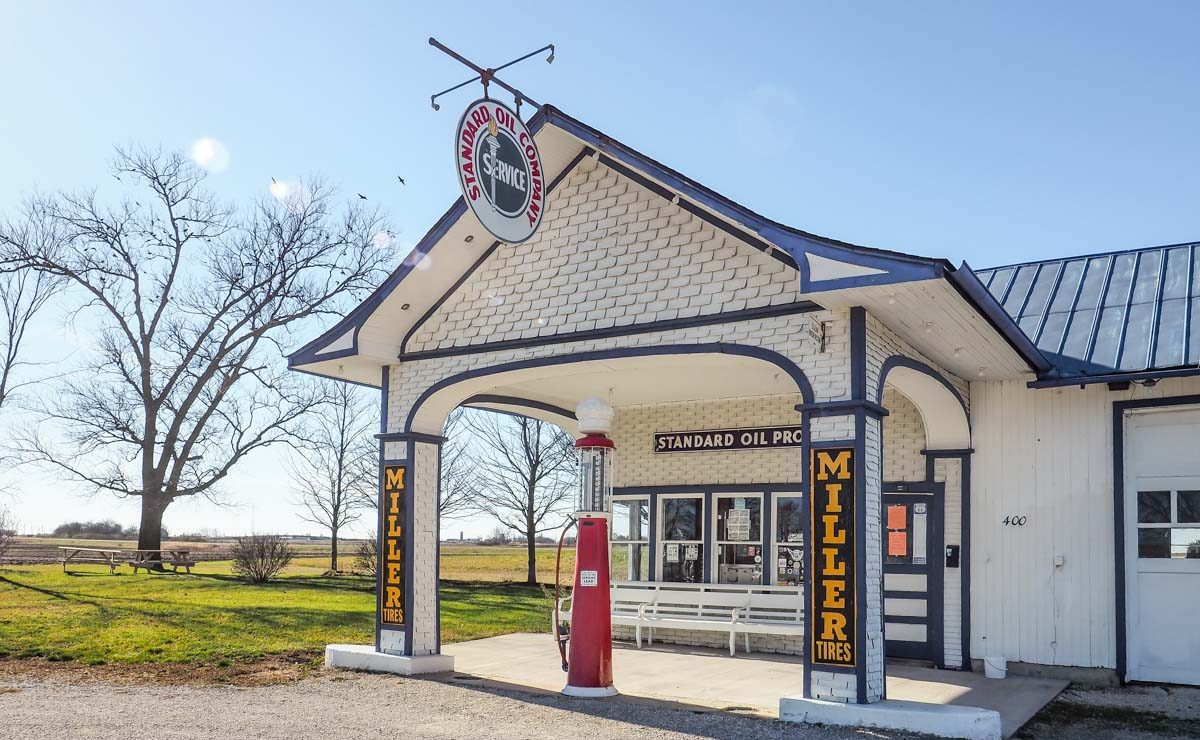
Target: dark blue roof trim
<point>791,368</point>
<point>1178,372</point>
<point>310,352</point>
<point>894,266</point>
<point>1113,316</point>
<point>585,152</point>
<point>624,330</point>
<point>974,291</point>
<point>797,243</point>
<point>514,401</point>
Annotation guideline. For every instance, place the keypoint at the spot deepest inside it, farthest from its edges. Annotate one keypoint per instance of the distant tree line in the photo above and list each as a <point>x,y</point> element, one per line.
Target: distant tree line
<point>102,530</point>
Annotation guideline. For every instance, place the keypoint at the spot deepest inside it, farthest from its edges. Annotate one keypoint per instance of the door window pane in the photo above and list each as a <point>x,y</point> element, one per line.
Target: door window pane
<point>897,534</point>
<point>739,519</point>
<point>683,562</point>
<point>789,519</point>
<point>681,518</point>
<point>1154,543</point>
<point>789,563</point>
<point>1154,507</point>
<point>789,541</point>
<point>739,564</point>
<point>1188,503</point>
<point>1185,543</point>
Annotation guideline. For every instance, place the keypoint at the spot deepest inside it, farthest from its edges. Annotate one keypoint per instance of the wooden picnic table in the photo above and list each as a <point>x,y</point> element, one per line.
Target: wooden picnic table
<point>103,555</point>
<point>153,559</point>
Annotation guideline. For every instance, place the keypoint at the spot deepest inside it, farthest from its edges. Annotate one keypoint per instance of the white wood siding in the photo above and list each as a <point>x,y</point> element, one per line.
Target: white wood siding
<point>1046,455</point>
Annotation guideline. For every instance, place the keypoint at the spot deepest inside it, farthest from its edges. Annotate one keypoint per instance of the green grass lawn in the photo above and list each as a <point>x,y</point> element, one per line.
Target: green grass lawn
<point>211,617</point>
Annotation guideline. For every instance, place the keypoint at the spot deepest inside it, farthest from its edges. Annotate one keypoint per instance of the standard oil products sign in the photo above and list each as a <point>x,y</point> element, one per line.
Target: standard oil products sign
<point>755,438</point>
<point>500,170</point>
<point>832,640</point>
<point>391,593</point>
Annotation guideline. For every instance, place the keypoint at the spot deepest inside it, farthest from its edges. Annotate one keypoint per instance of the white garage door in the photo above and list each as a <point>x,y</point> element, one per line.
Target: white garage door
<point>1162,546</point>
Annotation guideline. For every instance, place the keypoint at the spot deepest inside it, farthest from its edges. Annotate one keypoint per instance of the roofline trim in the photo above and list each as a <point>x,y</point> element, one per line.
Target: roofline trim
<point>969,285</point>
<point>1081,380</point>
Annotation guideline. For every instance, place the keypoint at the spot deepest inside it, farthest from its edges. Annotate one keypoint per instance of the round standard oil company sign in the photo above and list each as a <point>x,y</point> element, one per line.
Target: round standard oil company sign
<point>500,170</point>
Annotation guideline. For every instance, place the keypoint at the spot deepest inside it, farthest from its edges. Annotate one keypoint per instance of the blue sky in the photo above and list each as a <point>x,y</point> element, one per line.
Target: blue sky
<point>991,133</point>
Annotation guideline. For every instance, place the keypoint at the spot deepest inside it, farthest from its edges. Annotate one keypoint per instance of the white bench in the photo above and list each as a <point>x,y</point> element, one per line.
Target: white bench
<point>712,607</point>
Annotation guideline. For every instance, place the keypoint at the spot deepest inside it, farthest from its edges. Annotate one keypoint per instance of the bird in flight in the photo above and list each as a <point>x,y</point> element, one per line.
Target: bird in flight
<point>360,195</point>
<point>273,181</point>
<point>401,179</point>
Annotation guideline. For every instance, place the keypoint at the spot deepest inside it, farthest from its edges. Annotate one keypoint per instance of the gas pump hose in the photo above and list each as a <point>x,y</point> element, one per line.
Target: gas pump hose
<point>562,648</point>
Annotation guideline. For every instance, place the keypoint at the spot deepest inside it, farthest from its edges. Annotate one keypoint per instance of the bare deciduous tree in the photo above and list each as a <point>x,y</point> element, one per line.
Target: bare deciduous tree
<point>335,468</point>
<point>458,481</point>
<point>458,486</point>
<point>23,294</point>
<point>525,471</point>
<point>8,531</point>
<point>191,300</point>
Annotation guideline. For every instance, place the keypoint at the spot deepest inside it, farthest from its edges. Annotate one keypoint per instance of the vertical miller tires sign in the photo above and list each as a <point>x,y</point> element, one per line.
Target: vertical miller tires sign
<point>832,640</point>
<point>500,170</point>
<point>391,554</point>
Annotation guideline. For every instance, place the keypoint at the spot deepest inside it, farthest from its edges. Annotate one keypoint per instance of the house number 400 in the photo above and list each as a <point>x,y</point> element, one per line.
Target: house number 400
<point>1015,521</point>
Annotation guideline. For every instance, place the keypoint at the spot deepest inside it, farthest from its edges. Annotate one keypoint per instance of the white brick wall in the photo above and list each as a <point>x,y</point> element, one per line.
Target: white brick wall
<point>425,549</point>
<point>949,471</point>
<point>638,465</point>
<point>903,438</point>
<point>608,253</point>
<point>833,686</point>
<point>827,372</point>
<point>871,644</point>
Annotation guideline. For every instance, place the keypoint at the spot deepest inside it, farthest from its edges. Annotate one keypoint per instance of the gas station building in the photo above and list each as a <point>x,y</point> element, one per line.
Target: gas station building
<point>885,455</point>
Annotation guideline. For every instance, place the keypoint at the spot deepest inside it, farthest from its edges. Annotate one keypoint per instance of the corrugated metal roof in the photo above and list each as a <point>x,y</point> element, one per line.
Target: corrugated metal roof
<point>1121,312</point>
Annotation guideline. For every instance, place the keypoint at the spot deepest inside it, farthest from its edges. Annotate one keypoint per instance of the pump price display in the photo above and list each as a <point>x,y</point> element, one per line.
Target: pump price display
<point>832,640</point>
<point>391,553</point>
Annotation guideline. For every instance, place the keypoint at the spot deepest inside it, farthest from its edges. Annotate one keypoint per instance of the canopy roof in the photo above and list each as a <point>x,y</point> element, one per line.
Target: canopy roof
<point>946,312</point>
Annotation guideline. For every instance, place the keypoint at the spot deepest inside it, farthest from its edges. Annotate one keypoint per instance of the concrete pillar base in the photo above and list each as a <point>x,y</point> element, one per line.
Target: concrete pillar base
<point>366,658</point>
<point>942,720</point>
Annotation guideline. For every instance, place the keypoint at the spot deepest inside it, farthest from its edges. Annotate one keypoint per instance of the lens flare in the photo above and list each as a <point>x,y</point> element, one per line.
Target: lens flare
<point>280,190</point>
<point>210,154</point>
<point>383,240</point>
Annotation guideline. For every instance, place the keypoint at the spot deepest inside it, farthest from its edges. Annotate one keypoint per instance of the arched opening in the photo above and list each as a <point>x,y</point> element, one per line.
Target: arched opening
<point>669,510</point>
<point>926,445</point>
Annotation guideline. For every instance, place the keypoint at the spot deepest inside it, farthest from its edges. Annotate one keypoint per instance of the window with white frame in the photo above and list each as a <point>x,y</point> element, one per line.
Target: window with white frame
<point>629,556</point>
<point>1168,524</point>
<point>738,537</point>
<point>788,542</point>
<point>681,538</point>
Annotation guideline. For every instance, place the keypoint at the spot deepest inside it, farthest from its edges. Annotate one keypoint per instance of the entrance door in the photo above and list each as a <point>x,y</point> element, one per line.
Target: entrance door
<point>1162,546</point>
<point>912,575</point>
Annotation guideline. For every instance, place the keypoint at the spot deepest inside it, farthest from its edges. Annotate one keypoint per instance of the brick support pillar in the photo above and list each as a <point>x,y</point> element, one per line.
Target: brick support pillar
<point>845,561</point>
<point>408,545</point>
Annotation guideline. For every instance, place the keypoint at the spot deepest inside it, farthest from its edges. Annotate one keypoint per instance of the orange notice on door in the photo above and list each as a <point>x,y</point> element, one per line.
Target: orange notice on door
<point>897,516</point>
<point>897,544</point>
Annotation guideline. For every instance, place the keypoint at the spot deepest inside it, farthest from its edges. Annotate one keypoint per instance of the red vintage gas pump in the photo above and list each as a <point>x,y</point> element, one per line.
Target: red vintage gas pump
<point>589,663</point>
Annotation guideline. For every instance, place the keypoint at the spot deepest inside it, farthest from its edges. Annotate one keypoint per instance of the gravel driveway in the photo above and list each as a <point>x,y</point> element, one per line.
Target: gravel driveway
<point>358,707</point>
